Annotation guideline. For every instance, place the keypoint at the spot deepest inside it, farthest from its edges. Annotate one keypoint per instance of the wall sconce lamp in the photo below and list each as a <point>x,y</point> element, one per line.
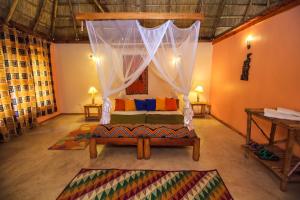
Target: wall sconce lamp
<point>249,39</point>
<point>176,60</point>
<point>94,58</point>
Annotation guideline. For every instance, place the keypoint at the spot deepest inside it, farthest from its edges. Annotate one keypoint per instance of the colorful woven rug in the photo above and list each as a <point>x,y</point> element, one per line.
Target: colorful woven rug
<point>146,184</point>
<point>75,140</point>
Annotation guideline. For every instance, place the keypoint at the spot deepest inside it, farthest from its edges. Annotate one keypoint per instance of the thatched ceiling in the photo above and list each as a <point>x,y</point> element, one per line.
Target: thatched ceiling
<point>38,16</point>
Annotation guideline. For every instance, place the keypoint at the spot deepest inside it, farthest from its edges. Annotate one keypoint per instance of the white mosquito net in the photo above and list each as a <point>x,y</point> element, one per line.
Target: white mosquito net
<point>123,49</point>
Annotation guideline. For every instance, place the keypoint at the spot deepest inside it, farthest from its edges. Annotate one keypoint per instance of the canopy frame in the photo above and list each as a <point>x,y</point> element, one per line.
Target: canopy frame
<point>138,16</point>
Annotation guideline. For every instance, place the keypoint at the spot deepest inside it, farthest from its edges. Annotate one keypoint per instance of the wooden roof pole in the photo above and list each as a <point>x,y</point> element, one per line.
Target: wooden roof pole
<point>11,11</point>
<point>247,10</point>
<point>74,20</point>
<point>124,5</point>
<point>54,14</point>
<point>138,15</point>
<point>40,12</point>
<point>218,17</point>
<point>98,6</point>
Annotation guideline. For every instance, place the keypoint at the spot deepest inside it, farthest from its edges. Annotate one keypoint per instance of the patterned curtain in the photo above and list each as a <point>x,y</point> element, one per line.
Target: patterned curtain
<point>26,84</point>
<point>39,57</point>
<point>6,112</point>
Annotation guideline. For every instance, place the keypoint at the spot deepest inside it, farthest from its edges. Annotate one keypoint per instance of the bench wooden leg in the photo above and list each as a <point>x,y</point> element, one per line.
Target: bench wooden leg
<point>140,148</point>
<point>196,149</point>
<point>147,151</point>
<point>93,148</point>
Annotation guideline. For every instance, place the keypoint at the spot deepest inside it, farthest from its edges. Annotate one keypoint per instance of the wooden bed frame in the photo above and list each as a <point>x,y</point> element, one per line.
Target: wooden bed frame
<point>144,144</point>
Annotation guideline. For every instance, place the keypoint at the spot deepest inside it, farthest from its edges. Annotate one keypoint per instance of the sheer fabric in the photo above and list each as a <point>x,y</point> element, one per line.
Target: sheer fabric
<point>171,49</point>
<point>110,42</point>
<point>175,59</point>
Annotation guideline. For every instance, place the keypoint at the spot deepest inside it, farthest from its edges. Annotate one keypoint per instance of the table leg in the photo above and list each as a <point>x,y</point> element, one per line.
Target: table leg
<point>287,160</point>
<point>196,149</point>
<point>202,110</point>
<point>248,134</point>
<point>147,149</point>
<point>140,148</point>
<point>99,112</point>
<point>93,148</point>
<point>272,134</point>
<point>88,112</point>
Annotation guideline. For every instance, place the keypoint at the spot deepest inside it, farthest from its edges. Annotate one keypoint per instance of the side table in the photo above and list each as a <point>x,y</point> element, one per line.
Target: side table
<point>201,110</point>
<point>90,115</point>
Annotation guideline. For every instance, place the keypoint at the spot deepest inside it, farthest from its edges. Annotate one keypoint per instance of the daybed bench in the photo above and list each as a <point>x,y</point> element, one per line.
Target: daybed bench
<point>144,136</point>
<point>146,117</point>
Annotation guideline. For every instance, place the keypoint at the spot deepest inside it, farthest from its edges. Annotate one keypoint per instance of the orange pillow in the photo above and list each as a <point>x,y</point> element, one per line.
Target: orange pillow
<point>120,105</point>
<point>171,104</point>
<point>160,104</point>
<point>129,105</point>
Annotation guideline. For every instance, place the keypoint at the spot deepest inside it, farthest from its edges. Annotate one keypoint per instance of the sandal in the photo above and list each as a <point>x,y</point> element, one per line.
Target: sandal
<point>253,146</point>
<point>264,154</point>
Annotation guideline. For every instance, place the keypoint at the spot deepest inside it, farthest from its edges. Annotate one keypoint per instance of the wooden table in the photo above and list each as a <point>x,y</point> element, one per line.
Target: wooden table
<point>203,111</point>
<point>287,167</point>
<point>92,116</point>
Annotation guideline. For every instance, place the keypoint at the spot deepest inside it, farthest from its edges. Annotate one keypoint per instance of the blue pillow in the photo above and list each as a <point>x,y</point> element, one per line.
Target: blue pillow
<point>150,104</point>
<point>140,104</point>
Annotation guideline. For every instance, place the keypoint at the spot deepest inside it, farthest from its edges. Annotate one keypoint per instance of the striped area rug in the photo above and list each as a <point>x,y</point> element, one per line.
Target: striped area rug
<point>146,184</point>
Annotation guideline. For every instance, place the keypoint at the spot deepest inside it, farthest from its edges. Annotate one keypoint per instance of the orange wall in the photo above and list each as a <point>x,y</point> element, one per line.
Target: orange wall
<point>274,78</point>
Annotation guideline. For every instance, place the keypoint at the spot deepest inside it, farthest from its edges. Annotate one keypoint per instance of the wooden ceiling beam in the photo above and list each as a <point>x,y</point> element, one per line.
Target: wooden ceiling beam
<point>199,6</point>
<point>11,11</point>
<point>74,20</point>
<point>120,3</point>
<point>27,30</point>
<point>39,14</point>
<point>274,10</point>
<point>138,15</point>
<point>54,15</point>
<point>218,17</point>
<point>98,5</point>
<point>247,10</point>
<point>124,5</point>
<point>143,6</point>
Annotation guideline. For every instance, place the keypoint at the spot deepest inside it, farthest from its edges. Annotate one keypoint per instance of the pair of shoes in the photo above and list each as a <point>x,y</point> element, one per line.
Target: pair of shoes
<point>253,146</point>
<point>265,154</point>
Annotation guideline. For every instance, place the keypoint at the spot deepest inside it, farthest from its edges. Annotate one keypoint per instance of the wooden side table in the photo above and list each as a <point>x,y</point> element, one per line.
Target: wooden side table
<point>92,116</point>
<point>201,110</point>
<point>287,168</point>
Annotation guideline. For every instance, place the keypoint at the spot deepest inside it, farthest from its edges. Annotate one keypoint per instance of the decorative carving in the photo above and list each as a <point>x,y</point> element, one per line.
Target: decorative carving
<point>246,67</point>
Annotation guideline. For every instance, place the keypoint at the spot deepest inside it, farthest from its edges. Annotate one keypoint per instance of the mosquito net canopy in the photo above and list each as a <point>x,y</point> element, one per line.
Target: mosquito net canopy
<point>124,48</point>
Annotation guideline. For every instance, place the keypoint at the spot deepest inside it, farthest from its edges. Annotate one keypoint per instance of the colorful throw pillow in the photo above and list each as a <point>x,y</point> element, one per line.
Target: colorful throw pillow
<point>119,105</point>
<point>160,104</point>
<point>150,104</point>
<point>171,104</point>
<point>129,105</point>
<point>140,104</point>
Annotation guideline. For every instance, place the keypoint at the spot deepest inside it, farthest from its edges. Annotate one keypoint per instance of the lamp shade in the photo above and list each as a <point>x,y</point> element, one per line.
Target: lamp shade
<point>92,90</point>
<point>199,89</point>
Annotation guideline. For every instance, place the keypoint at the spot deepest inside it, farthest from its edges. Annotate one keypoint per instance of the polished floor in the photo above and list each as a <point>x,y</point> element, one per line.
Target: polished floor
<point>29,170</point>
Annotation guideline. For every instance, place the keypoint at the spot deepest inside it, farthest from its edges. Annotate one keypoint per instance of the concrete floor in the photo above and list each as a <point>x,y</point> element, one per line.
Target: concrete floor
<point>29,170</point>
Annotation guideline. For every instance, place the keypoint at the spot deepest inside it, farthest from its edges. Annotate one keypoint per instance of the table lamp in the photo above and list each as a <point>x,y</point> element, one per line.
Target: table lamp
<point>92,91</point>
<point>199,89</point>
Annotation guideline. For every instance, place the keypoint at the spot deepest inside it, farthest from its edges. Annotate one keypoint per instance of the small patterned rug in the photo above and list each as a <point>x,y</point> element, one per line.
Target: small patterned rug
<point>75,140</point>
<point>99,184</point>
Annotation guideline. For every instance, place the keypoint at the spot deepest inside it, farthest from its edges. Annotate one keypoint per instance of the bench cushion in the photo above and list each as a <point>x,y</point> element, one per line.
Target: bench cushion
<point>138,130</point>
